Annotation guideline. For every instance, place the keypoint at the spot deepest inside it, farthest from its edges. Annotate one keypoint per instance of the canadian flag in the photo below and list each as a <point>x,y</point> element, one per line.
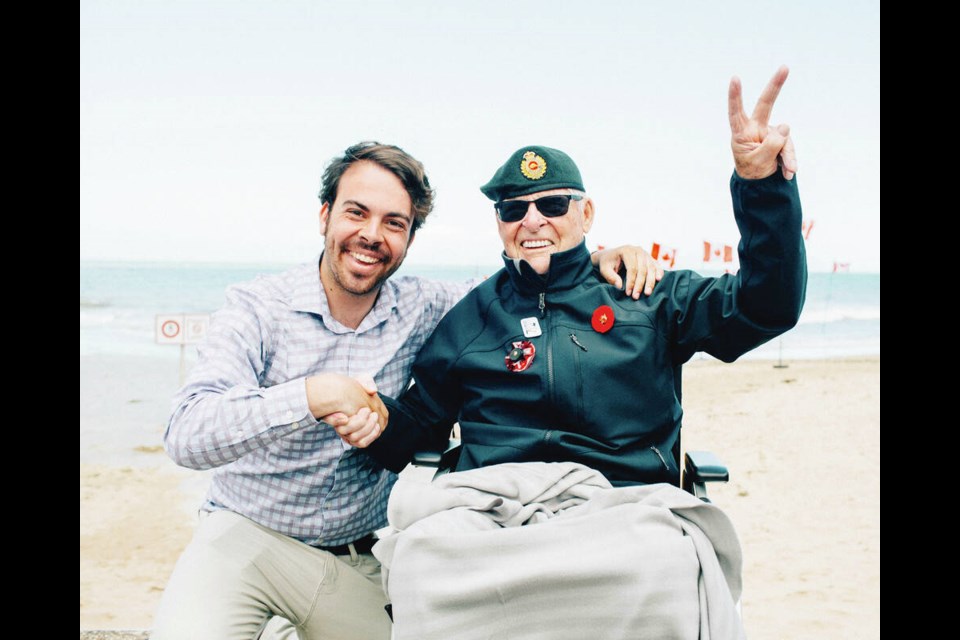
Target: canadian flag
<point>718,252</point>
<point>666,256</point>
<point>841,267</point>
<point>806,227</point>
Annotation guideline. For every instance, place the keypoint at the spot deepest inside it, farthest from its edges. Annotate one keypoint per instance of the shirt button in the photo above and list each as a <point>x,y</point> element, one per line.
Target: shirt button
<point>289,415</point>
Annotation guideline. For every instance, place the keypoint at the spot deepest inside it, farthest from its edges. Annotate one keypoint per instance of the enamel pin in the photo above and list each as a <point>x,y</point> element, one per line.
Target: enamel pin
<point>602,320</point>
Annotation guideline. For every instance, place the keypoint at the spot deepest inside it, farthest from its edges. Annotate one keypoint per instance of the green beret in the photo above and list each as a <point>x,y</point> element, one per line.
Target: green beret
<point>530,170</point>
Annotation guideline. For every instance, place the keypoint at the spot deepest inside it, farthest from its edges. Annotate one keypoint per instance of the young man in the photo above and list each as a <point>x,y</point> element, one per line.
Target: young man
<point>286,526</point>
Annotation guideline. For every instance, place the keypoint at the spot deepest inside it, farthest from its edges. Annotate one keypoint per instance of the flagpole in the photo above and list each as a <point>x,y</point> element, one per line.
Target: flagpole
<point>826,303</point>
<point>780,364</point>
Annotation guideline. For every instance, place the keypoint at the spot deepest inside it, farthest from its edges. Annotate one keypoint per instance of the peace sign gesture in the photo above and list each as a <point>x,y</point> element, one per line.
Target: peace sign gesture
<point>758,148</point>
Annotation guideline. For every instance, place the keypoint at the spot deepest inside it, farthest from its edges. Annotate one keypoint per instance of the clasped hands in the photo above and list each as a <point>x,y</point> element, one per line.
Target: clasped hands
<point>350,405</point>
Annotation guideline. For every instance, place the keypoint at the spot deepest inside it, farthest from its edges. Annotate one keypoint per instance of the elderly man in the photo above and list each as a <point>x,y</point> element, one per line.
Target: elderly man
<point>546,363</point>
<point>285,528</point>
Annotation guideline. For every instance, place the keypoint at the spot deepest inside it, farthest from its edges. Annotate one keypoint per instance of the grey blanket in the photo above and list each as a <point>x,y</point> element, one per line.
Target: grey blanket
<point>541,550</point>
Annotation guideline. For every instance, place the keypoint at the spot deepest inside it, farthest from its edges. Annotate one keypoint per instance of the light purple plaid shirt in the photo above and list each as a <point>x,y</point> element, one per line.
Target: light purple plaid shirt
<point>244,407</point>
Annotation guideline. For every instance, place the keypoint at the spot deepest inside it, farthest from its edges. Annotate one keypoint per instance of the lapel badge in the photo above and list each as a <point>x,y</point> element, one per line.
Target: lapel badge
<point>602,320</point>
<point>520,356</point>
<point>531,327</point>
<point>533,166</point>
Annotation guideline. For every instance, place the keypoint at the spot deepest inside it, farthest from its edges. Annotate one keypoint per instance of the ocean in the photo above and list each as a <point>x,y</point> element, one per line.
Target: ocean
<point>120,301</point>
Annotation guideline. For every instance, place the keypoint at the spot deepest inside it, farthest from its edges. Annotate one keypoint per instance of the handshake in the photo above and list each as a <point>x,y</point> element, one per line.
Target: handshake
<point>350,405</point>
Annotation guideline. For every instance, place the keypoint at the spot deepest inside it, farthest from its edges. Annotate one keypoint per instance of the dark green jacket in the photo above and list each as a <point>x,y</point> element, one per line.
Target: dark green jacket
<point>607,400</point>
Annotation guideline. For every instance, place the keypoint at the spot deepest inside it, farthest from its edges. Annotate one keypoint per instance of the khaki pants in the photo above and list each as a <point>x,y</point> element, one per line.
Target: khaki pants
<point>235,575</point>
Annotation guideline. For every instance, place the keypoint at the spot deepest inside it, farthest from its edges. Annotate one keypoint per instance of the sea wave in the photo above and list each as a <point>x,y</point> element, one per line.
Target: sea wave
<point>838,314</point>
<point>92,303</point>
<point>96,318</point>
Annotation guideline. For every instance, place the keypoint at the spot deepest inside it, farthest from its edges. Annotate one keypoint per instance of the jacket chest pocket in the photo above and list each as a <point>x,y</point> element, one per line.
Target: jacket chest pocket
<point>609,377</point>
<point>578,349</point>
<point>571,362</point>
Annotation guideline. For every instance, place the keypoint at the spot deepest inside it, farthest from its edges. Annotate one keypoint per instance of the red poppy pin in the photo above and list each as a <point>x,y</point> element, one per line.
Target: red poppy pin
<point>602,320</point>
<point>520,356</point>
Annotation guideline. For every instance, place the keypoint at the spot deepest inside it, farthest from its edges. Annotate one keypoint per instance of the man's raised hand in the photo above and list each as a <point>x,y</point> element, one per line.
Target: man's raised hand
<point>758,148</point>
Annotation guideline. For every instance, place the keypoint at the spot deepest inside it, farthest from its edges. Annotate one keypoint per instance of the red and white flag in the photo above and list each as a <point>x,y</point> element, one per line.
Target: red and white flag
<point>806,227</point>
<point>713,252</point>
<point>666,256</point>
<point>841,267</point>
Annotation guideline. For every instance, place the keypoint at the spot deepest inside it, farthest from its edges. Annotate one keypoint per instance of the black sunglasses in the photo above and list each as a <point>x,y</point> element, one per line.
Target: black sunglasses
<point>549,206</point>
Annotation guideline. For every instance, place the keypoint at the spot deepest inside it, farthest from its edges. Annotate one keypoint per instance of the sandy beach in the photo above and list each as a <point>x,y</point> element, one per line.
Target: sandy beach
<point>802,444</point>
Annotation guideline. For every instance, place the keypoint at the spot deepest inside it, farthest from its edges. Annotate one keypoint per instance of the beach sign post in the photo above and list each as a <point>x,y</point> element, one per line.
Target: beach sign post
<point>181,329</point>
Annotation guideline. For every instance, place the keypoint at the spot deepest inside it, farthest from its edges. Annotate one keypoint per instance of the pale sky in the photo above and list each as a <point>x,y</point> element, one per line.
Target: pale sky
<point>205,126</point>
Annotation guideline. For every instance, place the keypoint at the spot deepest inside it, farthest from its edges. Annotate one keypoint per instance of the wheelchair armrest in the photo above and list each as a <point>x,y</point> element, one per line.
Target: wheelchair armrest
<point>701,467</point>
<point>427,458</point>
<point>446,459</point>
<point>704,466</point>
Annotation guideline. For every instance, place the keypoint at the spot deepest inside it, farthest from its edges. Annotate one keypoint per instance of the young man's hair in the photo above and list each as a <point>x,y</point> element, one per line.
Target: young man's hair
<point>395,160</point>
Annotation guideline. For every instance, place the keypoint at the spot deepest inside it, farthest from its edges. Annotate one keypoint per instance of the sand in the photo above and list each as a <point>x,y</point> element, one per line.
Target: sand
<point>802,444</point>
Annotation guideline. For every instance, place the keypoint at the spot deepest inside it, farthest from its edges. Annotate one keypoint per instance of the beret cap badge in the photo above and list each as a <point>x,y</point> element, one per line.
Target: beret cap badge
<point>532,166</point>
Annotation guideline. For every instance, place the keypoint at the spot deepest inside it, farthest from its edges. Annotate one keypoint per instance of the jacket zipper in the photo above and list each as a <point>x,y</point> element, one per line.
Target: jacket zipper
<point>542,305</point>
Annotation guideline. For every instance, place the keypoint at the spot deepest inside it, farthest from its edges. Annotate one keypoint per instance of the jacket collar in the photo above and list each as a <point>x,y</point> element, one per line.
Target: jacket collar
<point>567,269</point>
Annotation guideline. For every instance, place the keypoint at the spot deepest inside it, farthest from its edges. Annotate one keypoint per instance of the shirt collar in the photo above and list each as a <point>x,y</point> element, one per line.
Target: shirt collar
<point>308,297</point>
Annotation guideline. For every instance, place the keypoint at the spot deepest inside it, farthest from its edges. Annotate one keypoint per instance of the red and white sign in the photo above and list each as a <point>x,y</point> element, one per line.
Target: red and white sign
<point>195,327</point>
<point>169,330</point>
<point>181,328</point>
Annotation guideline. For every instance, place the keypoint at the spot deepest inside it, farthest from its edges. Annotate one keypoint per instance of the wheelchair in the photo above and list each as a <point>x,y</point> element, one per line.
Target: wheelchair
<point>699,467</point>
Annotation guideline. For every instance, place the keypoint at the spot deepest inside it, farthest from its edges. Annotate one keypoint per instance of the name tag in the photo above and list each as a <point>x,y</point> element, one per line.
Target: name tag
<point>531,327</point>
